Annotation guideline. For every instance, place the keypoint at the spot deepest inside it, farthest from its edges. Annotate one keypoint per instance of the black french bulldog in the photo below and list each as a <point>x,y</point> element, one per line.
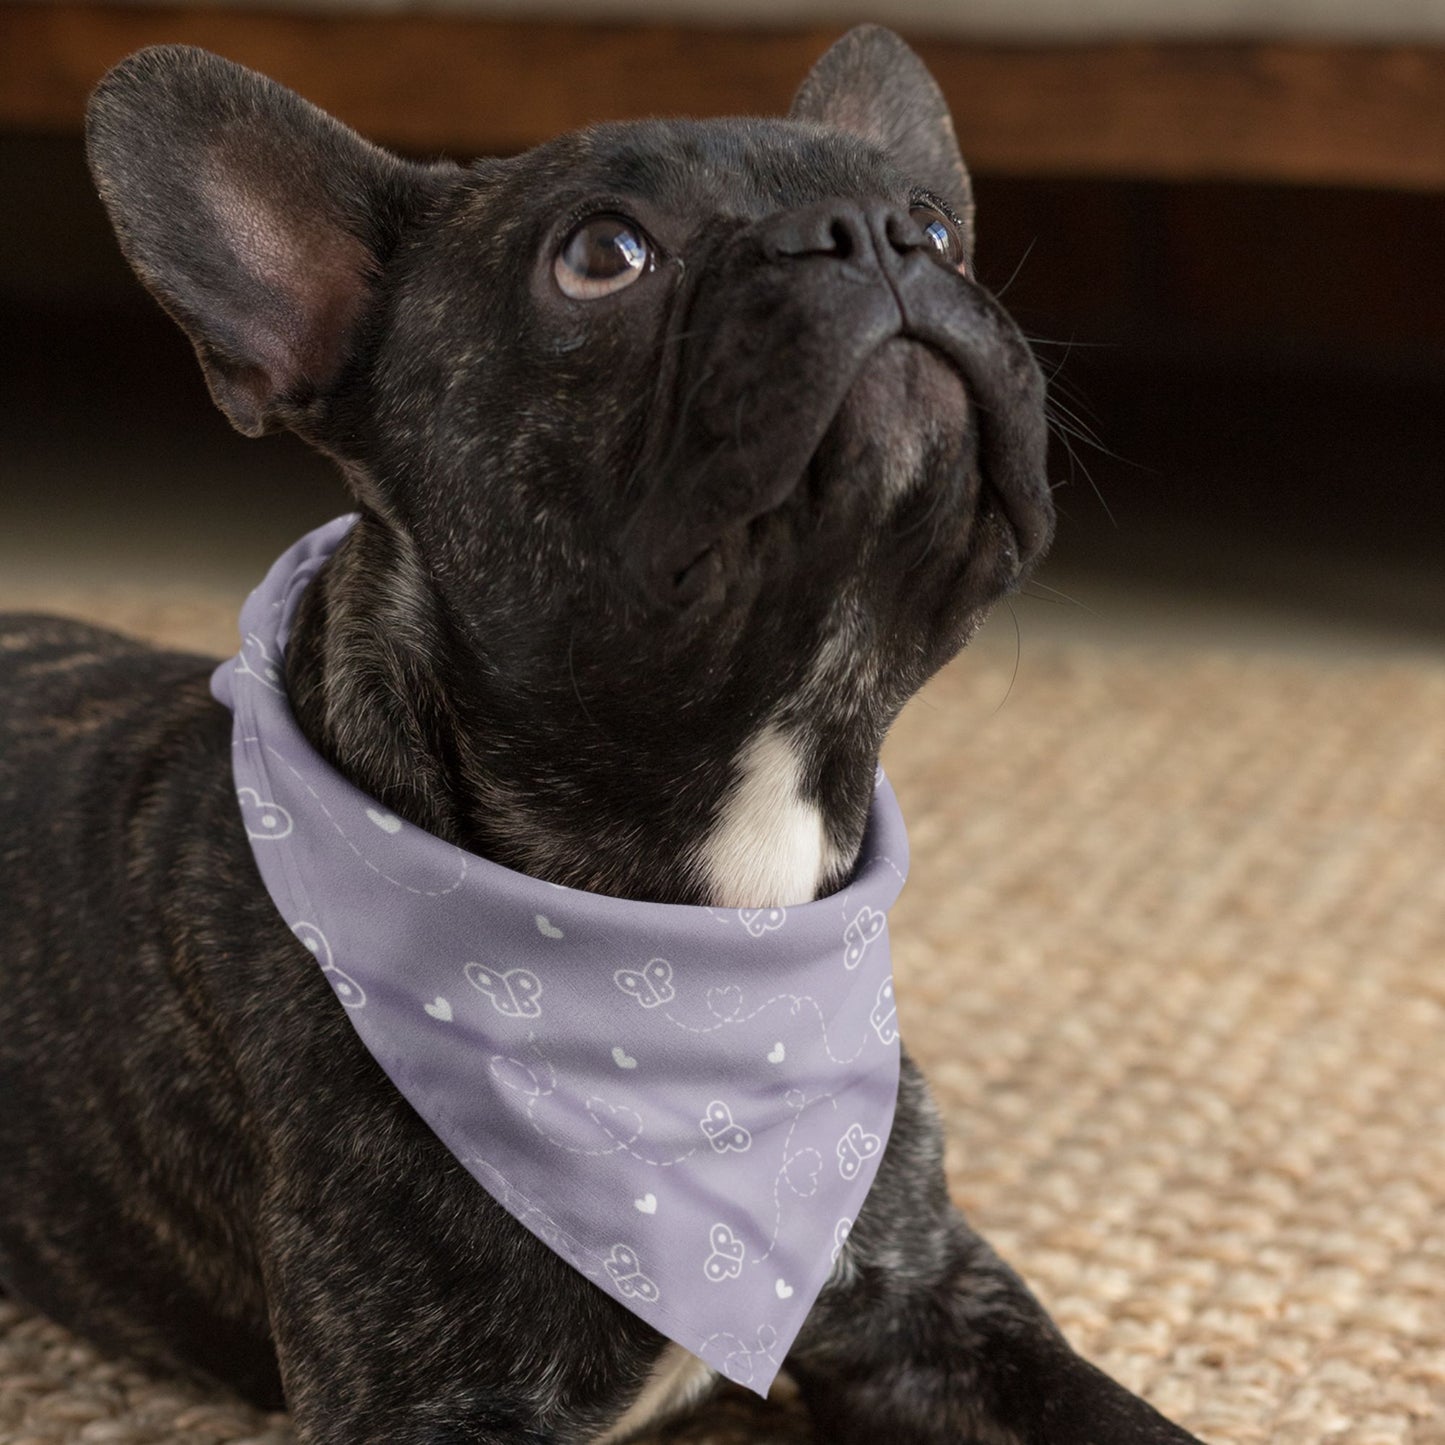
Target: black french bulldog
<point>685,452</point>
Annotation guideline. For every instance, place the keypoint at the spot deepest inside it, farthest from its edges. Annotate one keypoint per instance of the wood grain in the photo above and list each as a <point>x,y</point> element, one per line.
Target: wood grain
<point>1329,114</point>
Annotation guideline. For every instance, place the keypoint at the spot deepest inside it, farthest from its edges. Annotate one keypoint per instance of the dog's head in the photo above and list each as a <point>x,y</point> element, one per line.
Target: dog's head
<point>668,436</point>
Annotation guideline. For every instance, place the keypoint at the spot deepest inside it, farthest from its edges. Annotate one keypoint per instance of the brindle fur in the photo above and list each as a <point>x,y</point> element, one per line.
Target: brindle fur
<point>571,599</point>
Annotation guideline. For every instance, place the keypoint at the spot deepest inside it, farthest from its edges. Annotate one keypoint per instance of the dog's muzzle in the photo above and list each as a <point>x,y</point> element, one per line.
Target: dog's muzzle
<point>787,322</point>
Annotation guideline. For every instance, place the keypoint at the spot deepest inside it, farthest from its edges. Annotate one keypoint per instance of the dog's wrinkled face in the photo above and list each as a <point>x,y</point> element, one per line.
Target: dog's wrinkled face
<point>680,429</point>
<point>749,395</point>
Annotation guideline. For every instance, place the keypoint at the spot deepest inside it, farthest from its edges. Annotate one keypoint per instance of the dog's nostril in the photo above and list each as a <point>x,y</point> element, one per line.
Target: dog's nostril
<point>835,232</point>
<point>845,242</point>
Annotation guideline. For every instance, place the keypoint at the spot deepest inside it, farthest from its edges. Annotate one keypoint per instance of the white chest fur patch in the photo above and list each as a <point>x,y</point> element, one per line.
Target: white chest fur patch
<point>769,848</point>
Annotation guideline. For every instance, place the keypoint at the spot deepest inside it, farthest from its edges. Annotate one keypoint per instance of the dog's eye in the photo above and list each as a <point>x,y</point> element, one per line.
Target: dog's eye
<point>601,256</point>
<point>942,235</point>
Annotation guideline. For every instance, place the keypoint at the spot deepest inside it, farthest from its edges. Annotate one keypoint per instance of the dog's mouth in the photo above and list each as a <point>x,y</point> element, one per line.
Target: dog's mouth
<point>999,511</point>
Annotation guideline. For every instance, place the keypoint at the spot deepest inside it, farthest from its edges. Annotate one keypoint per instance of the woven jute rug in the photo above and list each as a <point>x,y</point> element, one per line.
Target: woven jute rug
<point>1173,953</point>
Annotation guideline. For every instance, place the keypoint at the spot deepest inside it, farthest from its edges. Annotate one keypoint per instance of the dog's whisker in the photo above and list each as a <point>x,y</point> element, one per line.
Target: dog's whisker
<point>1013,275</point>
<point>572,678</point>
<point>1075,461</point>
<point>1058,598</point>
<point>1018,657</point>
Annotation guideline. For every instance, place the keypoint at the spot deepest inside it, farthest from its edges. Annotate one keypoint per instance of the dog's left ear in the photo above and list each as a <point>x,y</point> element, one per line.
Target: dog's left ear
<point>872,85</point>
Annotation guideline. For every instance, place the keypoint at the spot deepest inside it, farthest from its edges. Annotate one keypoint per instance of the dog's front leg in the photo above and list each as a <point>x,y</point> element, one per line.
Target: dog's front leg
<point>925,1336</point>
<point>415,1311</point>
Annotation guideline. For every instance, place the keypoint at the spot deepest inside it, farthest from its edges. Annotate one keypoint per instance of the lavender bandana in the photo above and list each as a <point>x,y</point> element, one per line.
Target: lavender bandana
<point>687,1104</point>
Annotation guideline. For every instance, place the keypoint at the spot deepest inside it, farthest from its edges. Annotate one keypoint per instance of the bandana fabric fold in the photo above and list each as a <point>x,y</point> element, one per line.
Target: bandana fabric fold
<point>687,1104</point>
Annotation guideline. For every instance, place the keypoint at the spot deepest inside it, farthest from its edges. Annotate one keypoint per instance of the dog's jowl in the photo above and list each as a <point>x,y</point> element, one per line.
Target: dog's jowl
<point>481,1028</point>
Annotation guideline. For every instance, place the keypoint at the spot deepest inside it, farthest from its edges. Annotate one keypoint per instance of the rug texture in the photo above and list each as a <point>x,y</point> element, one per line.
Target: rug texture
<point>1173,955</point>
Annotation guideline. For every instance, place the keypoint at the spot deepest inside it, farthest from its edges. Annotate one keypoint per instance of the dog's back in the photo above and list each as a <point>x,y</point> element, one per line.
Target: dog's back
<point>182,1100</point>
<point>110,753</point>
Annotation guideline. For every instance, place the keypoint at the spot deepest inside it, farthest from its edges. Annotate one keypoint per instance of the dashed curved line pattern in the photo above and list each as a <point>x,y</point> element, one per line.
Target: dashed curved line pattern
<point>796,1000</point>
<point>345,837</point>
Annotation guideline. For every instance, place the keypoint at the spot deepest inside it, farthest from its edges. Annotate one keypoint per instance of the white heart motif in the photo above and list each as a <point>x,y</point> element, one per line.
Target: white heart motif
<point>546,928</point>
<point>646,1205</point>
<point>440,1010</point>
<point>621,1058</point>
<point>783,1289</point>
<point>387,822</point>
<point>725,1003</point>
<point>777,1053</point>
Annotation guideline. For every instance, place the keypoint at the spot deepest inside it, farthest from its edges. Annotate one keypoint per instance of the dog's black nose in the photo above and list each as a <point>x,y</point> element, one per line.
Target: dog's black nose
<point>845,230</point>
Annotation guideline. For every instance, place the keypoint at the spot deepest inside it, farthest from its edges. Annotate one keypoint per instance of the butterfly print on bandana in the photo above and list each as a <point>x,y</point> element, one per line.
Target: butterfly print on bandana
<point>622,1264</point>
<point>726,1260</point>
<point>854,1147</point>
<point>884,1017</point>
<point>866,926</point>
<point>650,985</point>
<point>722,1133</point>
<point>351,993</point>
<point>632,1074</point>
<point>265,822</point>
<point>759,921</point>
<point>514,993</point>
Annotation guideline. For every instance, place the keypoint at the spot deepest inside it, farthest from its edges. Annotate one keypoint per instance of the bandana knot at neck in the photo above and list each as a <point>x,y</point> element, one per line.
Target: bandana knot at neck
<point>687,1104</point>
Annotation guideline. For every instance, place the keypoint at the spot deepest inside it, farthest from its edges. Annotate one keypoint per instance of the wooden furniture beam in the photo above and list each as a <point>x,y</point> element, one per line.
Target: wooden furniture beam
<point>1349,115</point>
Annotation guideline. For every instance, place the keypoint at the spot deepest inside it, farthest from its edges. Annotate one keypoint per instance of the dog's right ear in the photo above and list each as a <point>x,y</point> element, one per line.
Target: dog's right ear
<point>870,83</point>
<point>258,221</point>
